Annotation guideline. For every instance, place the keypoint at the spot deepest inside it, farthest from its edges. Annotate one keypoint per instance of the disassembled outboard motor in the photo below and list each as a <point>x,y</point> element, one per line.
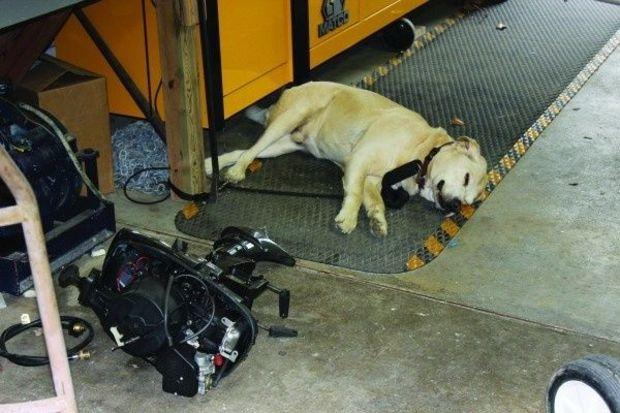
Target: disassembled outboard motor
<point>74,215</point>
<point>188,317</point>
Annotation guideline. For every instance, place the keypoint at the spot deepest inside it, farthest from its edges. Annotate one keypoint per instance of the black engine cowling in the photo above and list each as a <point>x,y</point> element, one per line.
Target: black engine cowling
<point>176,311</point>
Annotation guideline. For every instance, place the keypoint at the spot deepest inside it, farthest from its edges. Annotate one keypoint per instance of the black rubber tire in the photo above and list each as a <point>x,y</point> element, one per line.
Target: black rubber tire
<point>600,372</point>
<point>399,36</point>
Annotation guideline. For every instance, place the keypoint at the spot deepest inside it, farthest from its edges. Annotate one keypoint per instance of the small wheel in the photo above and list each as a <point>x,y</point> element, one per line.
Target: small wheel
<point>399,35</point>
<point>587,385</point>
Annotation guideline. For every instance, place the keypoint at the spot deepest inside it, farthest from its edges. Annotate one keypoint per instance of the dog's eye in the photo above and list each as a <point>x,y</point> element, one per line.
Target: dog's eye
<point>440,184</point>
<point>466,179</point>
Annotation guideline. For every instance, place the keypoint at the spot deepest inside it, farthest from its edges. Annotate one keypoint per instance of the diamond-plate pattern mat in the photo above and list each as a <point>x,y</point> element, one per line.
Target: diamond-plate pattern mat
<point>498,82</point>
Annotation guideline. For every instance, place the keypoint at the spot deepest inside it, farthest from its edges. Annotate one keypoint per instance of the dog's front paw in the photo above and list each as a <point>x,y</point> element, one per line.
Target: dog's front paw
<point>378,226</point>
<point>235,174</point>
<point>346,222</point>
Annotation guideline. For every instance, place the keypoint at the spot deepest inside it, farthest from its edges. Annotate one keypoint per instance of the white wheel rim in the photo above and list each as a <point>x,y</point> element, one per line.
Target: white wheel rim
<point>575,396</point>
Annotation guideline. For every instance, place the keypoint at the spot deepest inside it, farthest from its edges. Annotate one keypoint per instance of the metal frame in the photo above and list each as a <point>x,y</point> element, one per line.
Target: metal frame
<point>212,69</point>
<point>125,78</point>
<point>300,41</point>
<point>26,213</point>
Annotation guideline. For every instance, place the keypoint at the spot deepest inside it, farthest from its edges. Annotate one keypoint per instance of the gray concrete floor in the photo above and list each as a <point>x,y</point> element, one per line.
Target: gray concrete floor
<point>530,285</point>
<point>362,348</point>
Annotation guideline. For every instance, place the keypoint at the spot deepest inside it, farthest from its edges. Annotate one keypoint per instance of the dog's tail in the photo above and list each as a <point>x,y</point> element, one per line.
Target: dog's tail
<point>257,114</point>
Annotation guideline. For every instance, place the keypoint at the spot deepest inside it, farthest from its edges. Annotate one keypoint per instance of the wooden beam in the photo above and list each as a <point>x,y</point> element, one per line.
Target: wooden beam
<point>177,22</point>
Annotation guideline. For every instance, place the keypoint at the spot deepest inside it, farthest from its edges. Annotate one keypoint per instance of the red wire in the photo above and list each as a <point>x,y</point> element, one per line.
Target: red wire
<point>140,259</point>
<point>133,267</point>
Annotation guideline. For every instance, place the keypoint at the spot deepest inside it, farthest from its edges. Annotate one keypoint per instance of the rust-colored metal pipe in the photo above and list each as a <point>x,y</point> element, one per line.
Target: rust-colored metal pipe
<point>26,212</point>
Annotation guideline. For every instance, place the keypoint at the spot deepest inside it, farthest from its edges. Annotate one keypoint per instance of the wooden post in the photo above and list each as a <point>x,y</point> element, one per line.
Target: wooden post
<point>177,22</point>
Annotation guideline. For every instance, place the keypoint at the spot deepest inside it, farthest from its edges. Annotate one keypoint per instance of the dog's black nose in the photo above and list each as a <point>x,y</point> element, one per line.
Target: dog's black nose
<point>454,205</point>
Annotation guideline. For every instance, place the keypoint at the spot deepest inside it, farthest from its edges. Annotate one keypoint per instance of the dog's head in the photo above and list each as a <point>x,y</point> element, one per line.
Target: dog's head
<point>456,175</point>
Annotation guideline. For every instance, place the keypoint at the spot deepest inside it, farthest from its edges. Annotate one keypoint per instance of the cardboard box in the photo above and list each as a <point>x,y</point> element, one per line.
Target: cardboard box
<point>79,100</point>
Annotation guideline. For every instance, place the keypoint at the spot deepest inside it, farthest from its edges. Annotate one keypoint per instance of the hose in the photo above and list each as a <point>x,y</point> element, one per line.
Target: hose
<point>138,172</point>
<point>61,137</point>
<point>74,325</point>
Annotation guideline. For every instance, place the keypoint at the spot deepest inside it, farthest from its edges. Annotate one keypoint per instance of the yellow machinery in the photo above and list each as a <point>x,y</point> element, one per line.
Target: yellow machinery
<point>358,20</point>
<point>263,45</point>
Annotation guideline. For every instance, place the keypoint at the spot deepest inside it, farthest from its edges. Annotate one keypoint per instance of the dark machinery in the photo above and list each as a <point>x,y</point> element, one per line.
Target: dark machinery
<point>189,317</point>
<point>74,221</point>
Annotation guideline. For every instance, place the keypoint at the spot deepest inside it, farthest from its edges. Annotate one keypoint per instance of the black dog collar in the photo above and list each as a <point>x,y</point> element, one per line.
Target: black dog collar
<point>397,198</point>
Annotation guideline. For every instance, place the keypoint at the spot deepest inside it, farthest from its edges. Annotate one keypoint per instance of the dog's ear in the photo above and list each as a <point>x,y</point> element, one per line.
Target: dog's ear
<point>468,144</point>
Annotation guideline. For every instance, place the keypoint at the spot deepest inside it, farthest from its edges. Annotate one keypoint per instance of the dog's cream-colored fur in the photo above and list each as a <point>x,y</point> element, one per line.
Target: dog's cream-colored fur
<point>366,135</point>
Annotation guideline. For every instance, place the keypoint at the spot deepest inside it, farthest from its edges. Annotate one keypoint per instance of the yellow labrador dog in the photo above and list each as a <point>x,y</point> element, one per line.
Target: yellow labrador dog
<point>367,135</point>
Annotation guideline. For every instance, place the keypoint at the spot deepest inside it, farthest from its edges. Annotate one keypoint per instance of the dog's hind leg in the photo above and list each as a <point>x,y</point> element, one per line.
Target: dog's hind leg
<point>280,147</point>
<point>375,208</point>
<point>281,127</point>
<point>353,183</point>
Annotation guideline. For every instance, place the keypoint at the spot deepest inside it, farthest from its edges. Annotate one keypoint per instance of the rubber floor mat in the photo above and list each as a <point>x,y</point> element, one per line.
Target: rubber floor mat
<point>506,85</point>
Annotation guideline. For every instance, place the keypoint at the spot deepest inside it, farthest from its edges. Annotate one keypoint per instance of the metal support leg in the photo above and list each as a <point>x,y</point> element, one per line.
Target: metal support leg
<point>301,41</point>
<point>212,69</point>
